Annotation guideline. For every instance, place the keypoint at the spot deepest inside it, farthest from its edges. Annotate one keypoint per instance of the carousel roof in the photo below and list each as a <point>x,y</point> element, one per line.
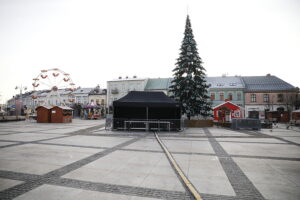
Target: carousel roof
<point>91,105</point>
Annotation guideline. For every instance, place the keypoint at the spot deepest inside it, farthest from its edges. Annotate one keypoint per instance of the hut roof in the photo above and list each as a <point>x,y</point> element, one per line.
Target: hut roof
<point>64,107</point>
<point>47,107</point>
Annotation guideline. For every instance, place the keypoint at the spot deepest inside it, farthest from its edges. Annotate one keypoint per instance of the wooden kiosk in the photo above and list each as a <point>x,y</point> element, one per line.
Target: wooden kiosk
<point>54,114</point>
<point>43,114</point>
<point>61,114</point>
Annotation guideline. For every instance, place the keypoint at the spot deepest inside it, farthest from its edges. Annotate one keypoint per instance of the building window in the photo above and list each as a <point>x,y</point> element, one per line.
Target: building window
<point>280,98</point>
<point>212,96</point>
<point>230,96</point>
<point>239,96</point>
<point>221,96</point>
<point>237,114</point>
<point>266,98</point>
<point>253,98</point>
<point>102,101</point>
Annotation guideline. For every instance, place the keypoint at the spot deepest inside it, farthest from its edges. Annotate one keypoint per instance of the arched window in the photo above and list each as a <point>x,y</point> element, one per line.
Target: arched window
<point>212,96</point>
<point>239,96</point>
<point>221,96</point>
<point>230,96</point>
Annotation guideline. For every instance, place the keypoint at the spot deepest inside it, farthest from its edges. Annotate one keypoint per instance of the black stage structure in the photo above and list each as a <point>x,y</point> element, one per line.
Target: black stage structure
<point>146,111</point>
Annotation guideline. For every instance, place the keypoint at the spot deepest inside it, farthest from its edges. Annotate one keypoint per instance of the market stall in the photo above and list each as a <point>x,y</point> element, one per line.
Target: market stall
<point>61,114</point>
<point>91,111</point>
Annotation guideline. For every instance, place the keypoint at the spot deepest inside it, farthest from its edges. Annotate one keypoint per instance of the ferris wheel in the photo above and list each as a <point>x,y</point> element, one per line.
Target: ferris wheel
<point>54,82</point>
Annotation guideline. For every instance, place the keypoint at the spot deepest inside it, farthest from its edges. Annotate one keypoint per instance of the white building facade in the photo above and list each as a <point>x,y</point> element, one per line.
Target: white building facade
<point>81,95</point>
<point>118,88</point>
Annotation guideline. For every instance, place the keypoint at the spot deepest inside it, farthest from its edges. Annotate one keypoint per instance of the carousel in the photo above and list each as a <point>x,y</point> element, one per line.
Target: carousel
<point>91,111</point>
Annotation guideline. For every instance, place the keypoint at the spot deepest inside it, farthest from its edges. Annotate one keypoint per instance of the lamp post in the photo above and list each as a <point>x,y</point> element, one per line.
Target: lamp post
<point>20,101</point>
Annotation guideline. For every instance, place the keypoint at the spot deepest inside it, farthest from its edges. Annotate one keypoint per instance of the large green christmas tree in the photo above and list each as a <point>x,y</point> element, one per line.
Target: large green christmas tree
<point>189,85</point>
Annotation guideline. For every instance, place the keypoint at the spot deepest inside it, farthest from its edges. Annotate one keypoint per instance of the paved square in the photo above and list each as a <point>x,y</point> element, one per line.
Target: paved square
<point>275,179</point>
<point>89,141</point>
<point>137,169</point>
<point>206,173</point>
<point>82,160</point>
<point>58,192</point>
<point>40,159</point>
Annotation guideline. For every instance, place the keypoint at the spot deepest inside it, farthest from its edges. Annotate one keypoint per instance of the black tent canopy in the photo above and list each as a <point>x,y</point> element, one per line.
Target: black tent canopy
<point>146,106</point>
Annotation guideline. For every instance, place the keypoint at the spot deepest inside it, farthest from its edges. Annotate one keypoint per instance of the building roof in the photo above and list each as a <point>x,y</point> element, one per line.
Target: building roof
<point>127,79</point>
<point>83,91</point>
<point>225,82</point>
<point>266,83</point>
<point>42,94</point>
<point>64,91</point>
<point>158,83</point>
<point>98,91</point>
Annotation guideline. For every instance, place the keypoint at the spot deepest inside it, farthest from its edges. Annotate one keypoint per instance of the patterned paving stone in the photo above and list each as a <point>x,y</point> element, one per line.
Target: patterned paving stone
<point>69,161</point>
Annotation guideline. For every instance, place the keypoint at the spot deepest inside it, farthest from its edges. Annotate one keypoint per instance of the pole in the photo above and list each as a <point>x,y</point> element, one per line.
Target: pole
<point>147,119</point>
<point>16,110</point>
<point>21,101</point>
<point>147,113</point>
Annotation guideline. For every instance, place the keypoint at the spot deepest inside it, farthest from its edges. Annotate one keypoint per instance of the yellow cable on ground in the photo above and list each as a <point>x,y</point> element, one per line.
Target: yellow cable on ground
<point>186,181</point>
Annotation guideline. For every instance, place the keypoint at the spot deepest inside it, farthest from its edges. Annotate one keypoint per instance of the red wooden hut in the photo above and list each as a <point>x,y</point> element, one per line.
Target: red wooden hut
<point>43,114</point>
<point>227,111</point>
<point>295,117</point>
<point>61,114</point>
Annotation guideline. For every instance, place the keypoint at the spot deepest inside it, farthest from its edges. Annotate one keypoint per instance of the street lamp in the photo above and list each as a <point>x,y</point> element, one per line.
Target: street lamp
<point>21,101</point>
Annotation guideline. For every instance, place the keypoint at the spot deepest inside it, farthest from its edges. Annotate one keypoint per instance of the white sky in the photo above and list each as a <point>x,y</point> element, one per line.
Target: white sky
<point>96,40</point>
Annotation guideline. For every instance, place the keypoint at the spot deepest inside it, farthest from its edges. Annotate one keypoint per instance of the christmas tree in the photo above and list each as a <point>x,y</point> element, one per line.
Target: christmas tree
<point>189,85</point>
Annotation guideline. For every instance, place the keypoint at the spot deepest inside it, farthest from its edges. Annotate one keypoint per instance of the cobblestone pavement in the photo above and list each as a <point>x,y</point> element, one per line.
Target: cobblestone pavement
<point>81,160</point>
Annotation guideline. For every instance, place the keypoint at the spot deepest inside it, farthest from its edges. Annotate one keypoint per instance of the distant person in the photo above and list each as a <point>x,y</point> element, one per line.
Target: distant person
<point>85,114</point>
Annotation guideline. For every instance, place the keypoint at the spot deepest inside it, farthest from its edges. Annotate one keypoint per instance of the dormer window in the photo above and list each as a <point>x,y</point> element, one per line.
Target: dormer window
<point>232,84</point>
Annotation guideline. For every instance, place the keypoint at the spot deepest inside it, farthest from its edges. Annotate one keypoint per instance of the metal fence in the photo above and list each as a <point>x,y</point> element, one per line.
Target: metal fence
<point>245,124</point>
<point>147,125</point>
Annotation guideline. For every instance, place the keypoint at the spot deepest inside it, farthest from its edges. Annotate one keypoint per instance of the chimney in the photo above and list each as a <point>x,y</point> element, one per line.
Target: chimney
<point>269,74</point>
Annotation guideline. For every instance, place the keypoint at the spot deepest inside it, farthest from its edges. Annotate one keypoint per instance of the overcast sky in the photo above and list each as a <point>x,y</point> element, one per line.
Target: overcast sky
<point>96,41</point>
